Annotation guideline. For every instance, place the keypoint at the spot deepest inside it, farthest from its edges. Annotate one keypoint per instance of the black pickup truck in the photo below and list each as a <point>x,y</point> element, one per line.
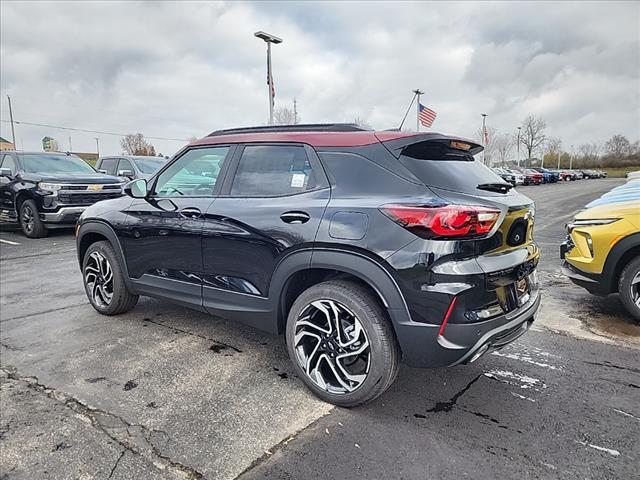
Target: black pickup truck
<point>49,190</point>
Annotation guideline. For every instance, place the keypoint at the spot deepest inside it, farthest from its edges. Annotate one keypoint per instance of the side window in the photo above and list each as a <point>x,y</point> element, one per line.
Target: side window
<point>109,165</point>
<point>9,162</point>
<point>193,174</point>
<point>270,170</point>
<point>125,165</point>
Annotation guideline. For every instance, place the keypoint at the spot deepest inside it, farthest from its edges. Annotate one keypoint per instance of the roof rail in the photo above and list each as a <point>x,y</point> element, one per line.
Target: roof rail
<point>308,127</point>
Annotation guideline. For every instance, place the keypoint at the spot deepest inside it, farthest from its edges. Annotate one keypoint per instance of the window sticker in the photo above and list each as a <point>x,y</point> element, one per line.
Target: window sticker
<point>298,180</point>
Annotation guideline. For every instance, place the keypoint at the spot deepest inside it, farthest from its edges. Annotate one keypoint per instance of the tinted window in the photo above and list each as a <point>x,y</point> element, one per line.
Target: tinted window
<point>9,162</point>
<point>109,165</point>
<point>52,163</point>
<point>125,165</point>
<point>273,170</point>
<point>451,169</point>
<point>193,174</point>
<point>148,165</point>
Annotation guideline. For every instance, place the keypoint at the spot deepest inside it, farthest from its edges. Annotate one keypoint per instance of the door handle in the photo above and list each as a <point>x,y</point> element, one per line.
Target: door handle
<point>295,217</point>
<point>191,212</point>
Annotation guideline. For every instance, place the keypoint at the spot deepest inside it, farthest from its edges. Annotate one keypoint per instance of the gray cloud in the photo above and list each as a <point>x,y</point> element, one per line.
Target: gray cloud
<point>183,69</point>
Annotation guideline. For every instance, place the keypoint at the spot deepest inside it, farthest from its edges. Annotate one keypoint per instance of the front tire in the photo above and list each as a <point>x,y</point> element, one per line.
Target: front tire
<point>104,281</point>
<point>629,288</point>
<point>30,222</point>
<point>341,343</point>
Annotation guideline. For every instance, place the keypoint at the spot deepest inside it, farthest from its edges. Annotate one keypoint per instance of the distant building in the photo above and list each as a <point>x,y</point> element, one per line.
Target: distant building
<point>6,145</point>
<point>49,144</point>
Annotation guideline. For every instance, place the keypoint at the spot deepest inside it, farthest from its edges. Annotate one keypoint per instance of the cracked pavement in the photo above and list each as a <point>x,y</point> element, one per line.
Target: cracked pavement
<point>163,392</point>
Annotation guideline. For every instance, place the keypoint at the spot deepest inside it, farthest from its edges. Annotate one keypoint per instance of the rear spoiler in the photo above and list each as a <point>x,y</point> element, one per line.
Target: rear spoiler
<point>396,145</point>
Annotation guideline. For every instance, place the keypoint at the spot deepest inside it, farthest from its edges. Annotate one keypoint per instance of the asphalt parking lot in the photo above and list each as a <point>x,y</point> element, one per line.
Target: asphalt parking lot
<point>163,392</point>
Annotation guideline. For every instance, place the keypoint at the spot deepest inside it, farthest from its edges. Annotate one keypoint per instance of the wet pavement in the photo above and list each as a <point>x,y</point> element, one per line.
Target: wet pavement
<point>164,392</point>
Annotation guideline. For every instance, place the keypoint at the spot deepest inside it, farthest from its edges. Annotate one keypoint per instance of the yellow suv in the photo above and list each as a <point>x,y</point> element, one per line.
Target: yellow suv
<point>602,252</point>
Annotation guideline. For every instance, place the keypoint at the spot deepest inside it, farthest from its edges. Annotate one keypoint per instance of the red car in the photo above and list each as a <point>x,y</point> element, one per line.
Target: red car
<point>531,177</point>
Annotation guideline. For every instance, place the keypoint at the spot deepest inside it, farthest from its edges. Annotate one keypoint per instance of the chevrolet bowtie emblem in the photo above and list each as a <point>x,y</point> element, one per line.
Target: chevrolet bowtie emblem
<point>94,188</point>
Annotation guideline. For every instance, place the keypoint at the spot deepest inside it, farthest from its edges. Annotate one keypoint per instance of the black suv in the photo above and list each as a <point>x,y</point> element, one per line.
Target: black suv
<point>49,190</point>
<point>364,248</point>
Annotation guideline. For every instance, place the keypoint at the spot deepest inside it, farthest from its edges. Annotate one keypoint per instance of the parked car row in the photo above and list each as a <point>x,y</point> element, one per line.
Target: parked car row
<point>538,175</point>
<point>602,250</point>
<point>44,190</point>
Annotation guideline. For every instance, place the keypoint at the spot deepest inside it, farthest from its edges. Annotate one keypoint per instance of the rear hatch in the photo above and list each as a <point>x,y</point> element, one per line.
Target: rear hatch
<point>447,166</point>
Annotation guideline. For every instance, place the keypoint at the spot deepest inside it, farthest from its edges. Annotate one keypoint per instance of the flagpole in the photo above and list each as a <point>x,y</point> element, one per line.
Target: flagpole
<point>418,93</point>
<point>484,138</point>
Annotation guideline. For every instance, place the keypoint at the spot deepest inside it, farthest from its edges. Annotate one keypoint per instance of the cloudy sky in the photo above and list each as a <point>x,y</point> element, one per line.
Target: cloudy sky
<point>179,70</point>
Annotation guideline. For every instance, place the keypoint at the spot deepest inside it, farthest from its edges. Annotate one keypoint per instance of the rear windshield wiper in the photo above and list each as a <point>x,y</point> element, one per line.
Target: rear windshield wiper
<point>495,187</point>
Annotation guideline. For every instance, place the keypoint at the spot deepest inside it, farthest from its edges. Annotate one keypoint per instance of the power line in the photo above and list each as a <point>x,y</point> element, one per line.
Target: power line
<point>92,131</point>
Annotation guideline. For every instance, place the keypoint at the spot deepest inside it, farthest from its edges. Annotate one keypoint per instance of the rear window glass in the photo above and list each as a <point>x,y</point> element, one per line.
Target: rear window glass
<point>442,167</point>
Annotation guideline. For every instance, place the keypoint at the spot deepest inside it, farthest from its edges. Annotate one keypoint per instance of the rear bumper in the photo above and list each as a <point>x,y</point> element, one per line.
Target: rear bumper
<point>463,343</point>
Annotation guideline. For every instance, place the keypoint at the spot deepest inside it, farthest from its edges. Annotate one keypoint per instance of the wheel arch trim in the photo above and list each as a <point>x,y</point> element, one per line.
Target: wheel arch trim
<point>105,230</point>
<point>346,261</point>
<point>611,264</point>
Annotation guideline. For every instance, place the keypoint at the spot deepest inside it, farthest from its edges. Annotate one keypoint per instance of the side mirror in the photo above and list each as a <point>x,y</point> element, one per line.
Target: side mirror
<point>6,172</point>
<point>136,188</point>
<point>126,173</point>
<point>103,171</point>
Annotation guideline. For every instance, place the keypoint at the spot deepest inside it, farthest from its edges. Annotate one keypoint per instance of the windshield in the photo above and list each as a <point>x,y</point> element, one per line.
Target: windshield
<point>52,163</point>
<point>148,165</point>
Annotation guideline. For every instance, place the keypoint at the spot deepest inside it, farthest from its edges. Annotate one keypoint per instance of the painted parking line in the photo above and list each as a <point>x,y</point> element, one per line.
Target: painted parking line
<point>9,242</point>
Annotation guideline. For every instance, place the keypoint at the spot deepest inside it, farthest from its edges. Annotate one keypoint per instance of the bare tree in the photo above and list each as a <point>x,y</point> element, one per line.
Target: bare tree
<point>285,116</point>
<point>503,144</point>
<point>554,149</point>
<point>617,146</point>
<point>532,135</point>
<point>135,144</point>
<point>362,122</point>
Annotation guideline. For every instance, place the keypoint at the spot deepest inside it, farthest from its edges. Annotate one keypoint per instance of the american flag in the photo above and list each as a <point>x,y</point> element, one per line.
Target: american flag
<point>426,116</point>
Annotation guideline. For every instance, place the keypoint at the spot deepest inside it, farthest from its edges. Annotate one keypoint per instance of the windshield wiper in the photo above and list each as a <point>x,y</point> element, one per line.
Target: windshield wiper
<point>495,187</point>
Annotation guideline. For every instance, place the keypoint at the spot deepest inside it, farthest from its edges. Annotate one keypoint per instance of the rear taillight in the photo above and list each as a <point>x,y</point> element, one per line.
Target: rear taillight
<point>448,221</point>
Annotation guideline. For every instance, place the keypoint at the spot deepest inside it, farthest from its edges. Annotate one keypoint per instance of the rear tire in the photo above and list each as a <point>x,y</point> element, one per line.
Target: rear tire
<point>344,333</point>
<point>104,281</point>
<point>30,222</point>
<point>629,288</point>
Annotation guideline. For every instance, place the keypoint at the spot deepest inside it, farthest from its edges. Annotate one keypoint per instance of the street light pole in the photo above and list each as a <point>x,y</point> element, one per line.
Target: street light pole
<point>518,145</point>
<point>269,39</point>
<point>98,146</point>
<point>571,159</point>
<point>484,137</point>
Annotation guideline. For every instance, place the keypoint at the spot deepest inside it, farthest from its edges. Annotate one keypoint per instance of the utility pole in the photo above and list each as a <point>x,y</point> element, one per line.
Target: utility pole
<point>70,147</point>
<point>98,146</point>
<point>13,131</point>
<point>484,137</point>
<point>518,145</point>
<point>269,39</point>
<point>295,111</point>
<point>418,93</point>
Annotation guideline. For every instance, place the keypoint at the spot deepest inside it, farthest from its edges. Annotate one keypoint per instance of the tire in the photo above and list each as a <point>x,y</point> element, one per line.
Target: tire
<point>373,370</point>
<point>629,288</point>
<point>30,222</point>
<point>104,282</point>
